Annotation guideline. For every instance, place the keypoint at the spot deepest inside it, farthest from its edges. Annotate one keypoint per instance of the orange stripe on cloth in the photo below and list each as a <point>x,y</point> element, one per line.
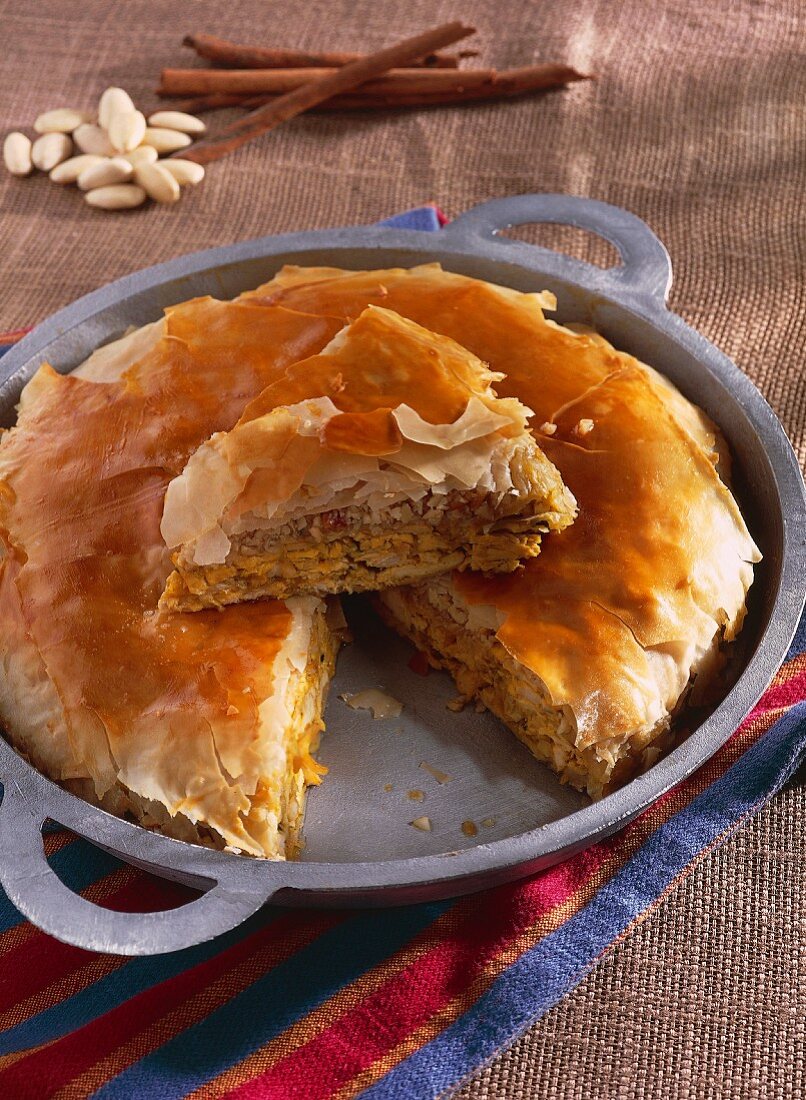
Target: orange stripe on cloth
<point>13,336</point>
<point>9,1059</point>
<point>54,842</point>
<point>793,668</point>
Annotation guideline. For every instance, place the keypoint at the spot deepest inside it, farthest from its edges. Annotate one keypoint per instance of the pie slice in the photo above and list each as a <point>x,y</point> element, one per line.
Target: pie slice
<point>589,652</point>
<point>202,726</point>
<point>385,459</point>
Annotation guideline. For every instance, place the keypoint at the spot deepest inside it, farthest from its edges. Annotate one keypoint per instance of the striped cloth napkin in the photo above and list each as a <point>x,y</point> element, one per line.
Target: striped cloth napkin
<point>401,1003</point>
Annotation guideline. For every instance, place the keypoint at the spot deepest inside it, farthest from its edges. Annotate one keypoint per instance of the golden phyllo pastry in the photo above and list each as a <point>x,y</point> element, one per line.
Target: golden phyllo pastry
<point>337,430</point>
<point>383,460</point>
<point>588,652</point>
<point>199,725</point>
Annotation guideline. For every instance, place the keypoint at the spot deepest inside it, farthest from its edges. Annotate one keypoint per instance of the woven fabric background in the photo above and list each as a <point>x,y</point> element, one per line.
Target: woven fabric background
<point>697,124</point>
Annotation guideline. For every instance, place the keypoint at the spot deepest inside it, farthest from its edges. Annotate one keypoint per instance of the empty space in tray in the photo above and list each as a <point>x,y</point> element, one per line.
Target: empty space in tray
<point>495,782</point>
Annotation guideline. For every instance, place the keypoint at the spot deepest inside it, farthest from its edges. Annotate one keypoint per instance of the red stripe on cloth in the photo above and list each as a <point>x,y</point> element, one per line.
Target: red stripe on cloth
<point>59,1063</point>
<point>13,336</point>
<point>785,694</point>
<point>55,960</point>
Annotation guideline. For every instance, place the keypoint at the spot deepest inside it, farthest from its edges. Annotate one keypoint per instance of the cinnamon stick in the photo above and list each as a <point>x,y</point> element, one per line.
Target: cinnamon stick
<point>279,81</point>
<point>508,84</point>
<point>200,104</point>
<point>231,55</point>
<point>337,82</point>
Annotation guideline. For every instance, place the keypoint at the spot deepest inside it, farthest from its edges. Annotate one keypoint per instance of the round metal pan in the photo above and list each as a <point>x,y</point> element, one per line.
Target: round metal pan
<point>361,848</point>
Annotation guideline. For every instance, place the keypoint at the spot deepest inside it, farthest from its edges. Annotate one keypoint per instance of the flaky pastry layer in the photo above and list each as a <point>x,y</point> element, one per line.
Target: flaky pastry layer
<point>390,459</point>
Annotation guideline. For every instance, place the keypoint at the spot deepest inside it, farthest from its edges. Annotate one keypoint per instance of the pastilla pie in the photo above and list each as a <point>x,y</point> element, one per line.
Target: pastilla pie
<point>204,723</point>
<point>383,460</point>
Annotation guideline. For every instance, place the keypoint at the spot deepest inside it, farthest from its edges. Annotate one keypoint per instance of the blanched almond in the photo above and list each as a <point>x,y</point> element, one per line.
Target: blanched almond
<point>17,154</point>
<point>61,120</point>
<point>158,183</point>
<point>126,130</point>
<point>113,101</point>
<point>143,154</point>
<point>121,196</point>
<point>177,120</point>
<point>50,150</point>
<point>109,171</point>
<point>165,141</point>
<point>69,170</point>
<point>92,139</point>
<point>185,172</point>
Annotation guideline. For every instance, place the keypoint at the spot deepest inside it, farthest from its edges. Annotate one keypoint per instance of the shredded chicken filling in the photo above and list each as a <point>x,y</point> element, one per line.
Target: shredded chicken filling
<point>344,556</point>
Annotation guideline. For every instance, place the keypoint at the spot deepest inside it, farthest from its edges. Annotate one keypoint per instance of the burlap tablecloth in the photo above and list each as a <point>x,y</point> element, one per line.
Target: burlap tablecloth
<point>697,124</point>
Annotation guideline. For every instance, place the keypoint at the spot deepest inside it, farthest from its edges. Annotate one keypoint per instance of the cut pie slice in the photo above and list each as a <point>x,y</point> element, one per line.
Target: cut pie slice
<point>589,652</point>
<point>385,459</point>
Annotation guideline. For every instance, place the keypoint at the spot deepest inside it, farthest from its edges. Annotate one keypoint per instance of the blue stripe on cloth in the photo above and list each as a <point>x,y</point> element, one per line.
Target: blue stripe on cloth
<point>274,1002</point>
<point>422,217</point>
<point>545,973</point>
<point>114,989</point>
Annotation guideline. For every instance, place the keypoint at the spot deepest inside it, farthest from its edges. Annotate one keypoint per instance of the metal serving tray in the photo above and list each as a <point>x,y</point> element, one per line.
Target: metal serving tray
<point>361,849</point>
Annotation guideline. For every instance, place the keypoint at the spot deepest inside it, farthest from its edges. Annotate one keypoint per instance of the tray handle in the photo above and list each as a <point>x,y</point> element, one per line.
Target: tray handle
<point>645,269</point>
<point>40,895</point>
